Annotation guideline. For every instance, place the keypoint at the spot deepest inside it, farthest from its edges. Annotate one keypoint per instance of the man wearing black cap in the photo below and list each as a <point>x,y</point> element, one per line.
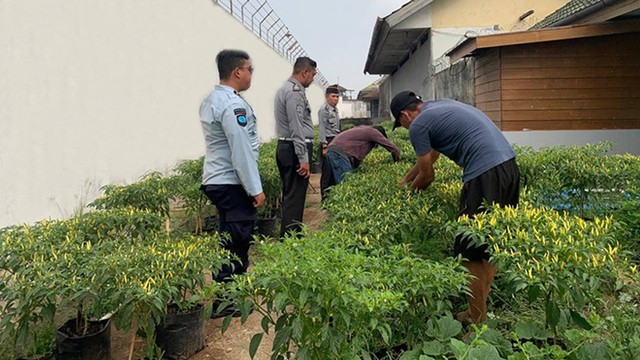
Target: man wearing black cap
<point>348,150</point>
<point>469,138</point>
<point>328,120</point>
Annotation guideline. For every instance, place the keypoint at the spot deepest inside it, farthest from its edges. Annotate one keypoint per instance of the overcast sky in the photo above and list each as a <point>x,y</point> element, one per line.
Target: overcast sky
<point>336,33</point>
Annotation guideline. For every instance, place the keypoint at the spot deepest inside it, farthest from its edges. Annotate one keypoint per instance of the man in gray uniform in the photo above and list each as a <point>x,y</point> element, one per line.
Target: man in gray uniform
<point>230,177</point>
<point>328,117</point>
<point>328,120</point>
<point>294,129</point>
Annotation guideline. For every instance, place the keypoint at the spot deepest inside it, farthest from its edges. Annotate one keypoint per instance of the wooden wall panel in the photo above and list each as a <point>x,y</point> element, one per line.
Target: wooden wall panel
<point>488,96</point>
<point>601,46</point>
<point>591,83</point>
<point>567,73</point>
<point>488,85</point>
<point>570,104</point>
<point>571,125</point>
<point>583,83</point>
<point>560,94</point>
<point>568,62</point>
<point>579,114</point>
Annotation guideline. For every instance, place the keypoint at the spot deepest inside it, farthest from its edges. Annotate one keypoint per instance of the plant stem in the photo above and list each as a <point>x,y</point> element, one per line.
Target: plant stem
<point>79,316</point>
<point>134,330</point>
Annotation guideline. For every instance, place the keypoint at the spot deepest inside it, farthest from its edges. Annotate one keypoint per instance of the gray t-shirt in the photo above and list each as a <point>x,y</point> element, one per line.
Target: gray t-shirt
<point>462,133</point>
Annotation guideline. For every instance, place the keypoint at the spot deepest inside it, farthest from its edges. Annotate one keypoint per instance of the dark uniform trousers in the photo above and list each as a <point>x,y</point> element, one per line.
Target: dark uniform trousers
<point>237,218</point>
<point>294,186</point>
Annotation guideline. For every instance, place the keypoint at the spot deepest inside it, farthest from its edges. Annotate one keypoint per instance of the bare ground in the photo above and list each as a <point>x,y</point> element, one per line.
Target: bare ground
<point>234,343</point>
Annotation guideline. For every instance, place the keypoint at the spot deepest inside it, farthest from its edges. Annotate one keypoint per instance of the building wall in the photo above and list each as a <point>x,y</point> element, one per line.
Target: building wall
<point>353,109</point>
<point>487,85</point>
<point>572,92</point>
<point>95,92</point>
<point>456,82</point>
<point>385,97</point>
<point>624,141</point>
<point>504,14</point>
<point>579,84</point>
<point>450,21</point>
<point>419,20</point>
<point>415,74</point>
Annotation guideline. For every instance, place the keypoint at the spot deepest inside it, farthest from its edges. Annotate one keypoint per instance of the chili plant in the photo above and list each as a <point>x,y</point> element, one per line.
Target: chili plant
<point>187,181</point>
<point>328,302</point>
<point>153,192</point>
<point>563,259</point>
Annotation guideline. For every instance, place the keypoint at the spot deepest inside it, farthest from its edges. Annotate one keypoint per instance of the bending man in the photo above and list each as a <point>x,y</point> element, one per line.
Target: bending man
<point>490,173</point>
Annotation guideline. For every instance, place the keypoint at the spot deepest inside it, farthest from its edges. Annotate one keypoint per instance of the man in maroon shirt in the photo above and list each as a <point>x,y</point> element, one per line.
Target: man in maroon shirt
<point>347,151</point>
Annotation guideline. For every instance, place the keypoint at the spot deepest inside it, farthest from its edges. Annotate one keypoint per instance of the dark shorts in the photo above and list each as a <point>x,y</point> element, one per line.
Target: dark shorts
<point>498,185</point>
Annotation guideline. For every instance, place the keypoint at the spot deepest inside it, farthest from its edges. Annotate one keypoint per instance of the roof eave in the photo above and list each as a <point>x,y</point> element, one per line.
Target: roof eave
<point>374,47</point>
<point>466,48</point>
<point>471,45</point>
<point>382,28</point>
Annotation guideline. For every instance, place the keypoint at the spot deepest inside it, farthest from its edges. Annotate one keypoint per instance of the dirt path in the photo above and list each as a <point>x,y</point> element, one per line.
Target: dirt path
<point>234,343</point>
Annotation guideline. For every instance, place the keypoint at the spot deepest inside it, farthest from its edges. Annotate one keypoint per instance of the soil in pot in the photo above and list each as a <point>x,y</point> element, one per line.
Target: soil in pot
<point>95,344</point>
<point>182,333</point>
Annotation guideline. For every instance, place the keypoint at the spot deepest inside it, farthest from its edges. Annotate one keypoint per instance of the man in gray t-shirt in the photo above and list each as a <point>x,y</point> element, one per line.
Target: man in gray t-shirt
<point>490,174</point>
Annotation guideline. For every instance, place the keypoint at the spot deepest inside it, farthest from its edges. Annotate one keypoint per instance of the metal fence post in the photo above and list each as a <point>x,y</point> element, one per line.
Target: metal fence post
<point>273,39</point>
<point>242,11</point>
<point>260,25</point>
<point>255,12</point>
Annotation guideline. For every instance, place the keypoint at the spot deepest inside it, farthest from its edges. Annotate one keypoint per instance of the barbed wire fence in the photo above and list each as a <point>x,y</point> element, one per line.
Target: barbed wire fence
<point>259,17</point>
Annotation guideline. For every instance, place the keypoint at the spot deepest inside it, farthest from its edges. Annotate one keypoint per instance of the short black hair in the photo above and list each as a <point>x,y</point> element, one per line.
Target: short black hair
<point>382,130</point>
<point>303,63</point>
<point>228,60</point>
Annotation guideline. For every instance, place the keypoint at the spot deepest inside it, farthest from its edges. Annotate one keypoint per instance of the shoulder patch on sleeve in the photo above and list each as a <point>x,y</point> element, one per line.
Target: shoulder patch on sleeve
<point>241,116</point>
<point>296,87</point>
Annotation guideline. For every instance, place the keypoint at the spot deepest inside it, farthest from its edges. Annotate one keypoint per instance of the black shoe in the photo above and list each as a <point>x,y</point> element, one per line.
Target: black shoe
<point>226,311</point>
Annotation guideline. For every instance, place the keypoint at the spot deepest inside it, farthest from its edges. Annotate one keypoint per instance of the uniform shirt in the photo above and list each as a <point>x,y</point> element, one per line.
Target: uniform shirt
<point>462,133</point>
<point>328,122</point>
<point>231,137</point>
<point>357,142</point>
<point>293,117</point>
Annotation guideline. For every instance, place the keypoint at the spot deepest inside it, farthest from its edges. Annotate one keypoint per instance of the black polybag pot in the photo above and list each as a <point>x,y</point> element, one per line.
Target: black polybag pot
<point>316,168</point>
<point>210,224</point>
<point>266,227</point>
<point>94,346</point>
<point>181,335</point>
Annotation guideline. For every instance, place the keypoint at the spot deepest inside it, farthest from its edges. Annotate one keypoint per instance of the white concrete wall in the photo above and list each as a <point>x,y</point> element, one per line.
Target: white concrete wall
<point>625,141</point>
<point>415,74</point>
<point>96,92</point>
<point>353,109</point>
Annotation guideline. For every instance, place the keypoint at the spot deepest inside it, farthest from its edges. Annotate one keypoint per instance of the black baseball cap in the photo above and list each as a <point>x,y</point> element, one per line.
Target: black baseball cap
<point>400,102</point>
